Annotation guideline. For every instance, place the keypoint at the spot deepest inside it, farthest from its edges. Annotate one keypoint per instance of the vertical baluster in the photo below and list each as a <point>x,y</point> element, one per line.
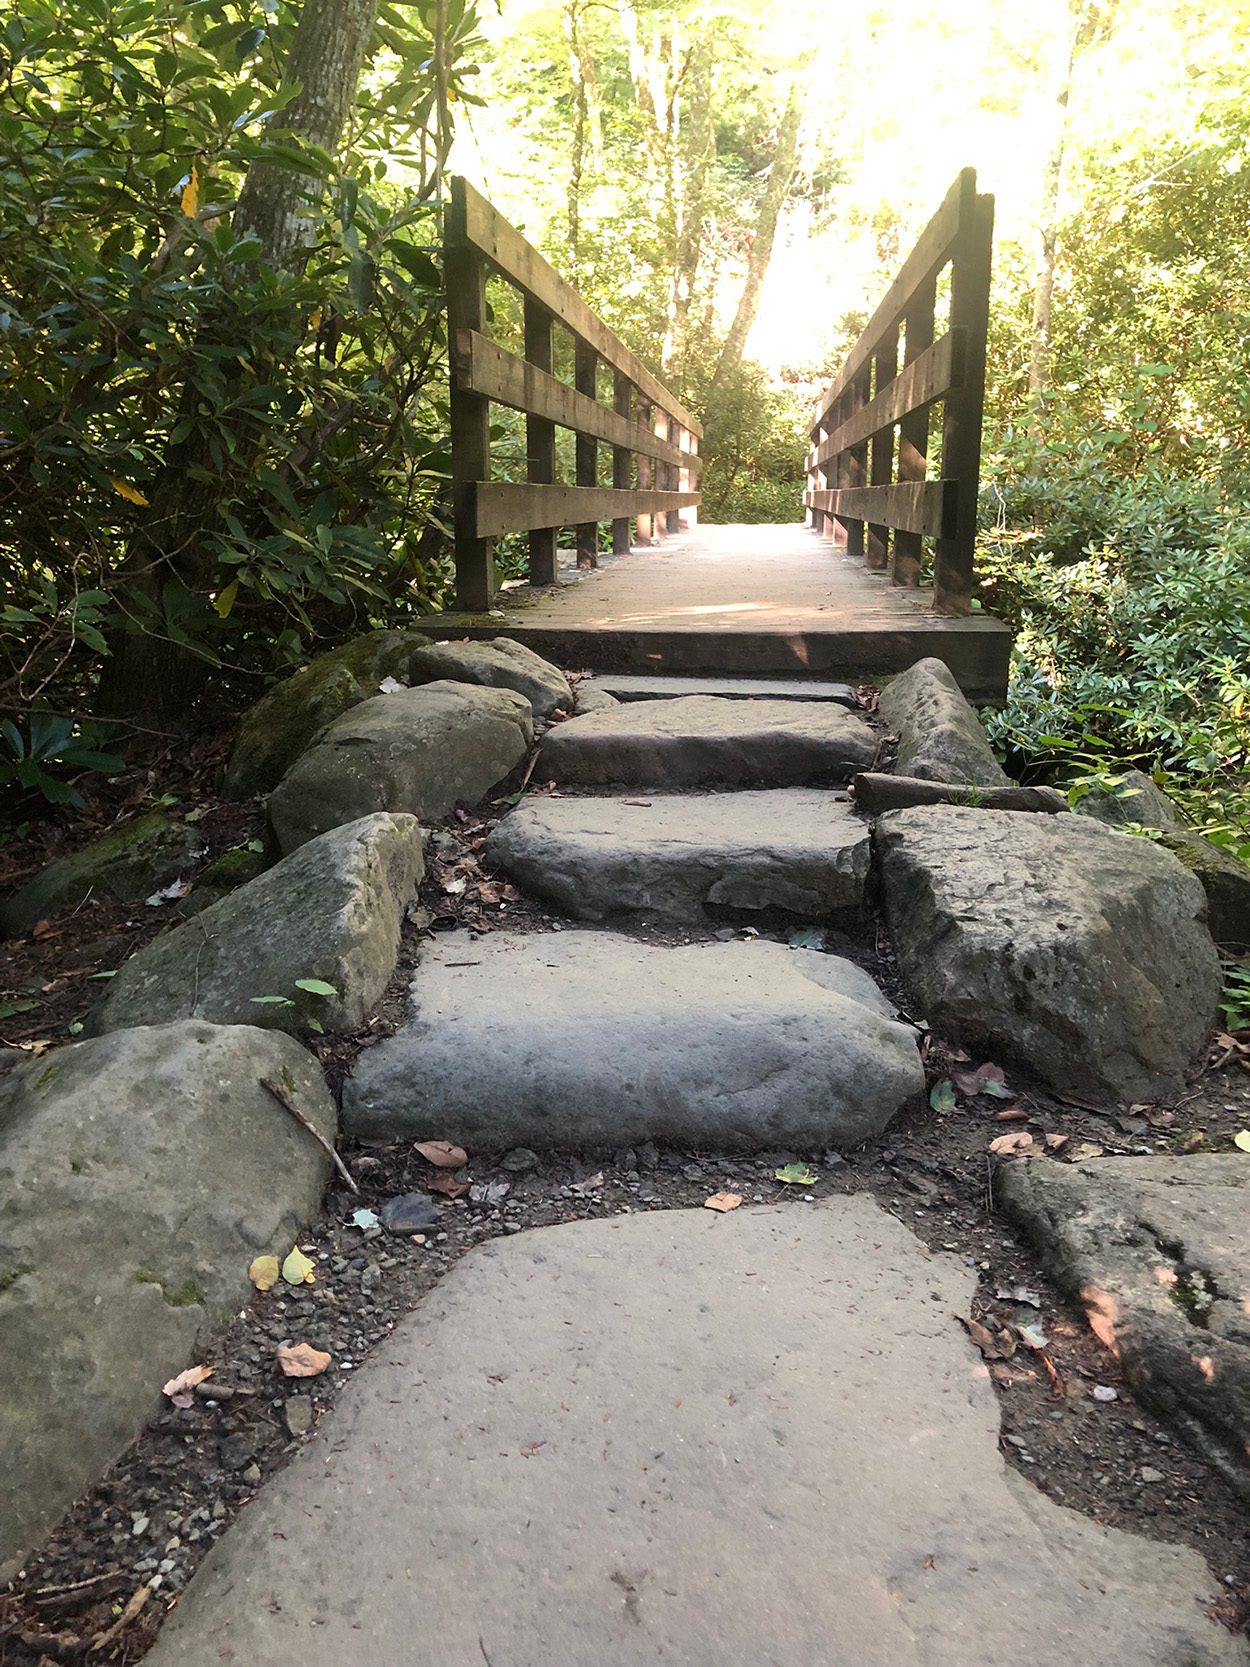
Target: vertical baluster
<point>470,413</point>
<point>586,381</point>
<point>540,444</point>
<point>622,460</point>
<point>881,449</point>
<point>913,432</point>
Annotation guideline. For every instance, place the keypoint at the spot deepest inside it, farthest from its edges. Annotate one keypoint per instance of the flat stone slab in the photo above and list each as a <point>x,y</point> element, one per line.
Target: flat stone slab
<point>704,741</point>
<point>626,686</point>
<point>677,855</point>
<point>1052,942</point>
<point>1158,1251</point>
<point>757,1439</point>
<point>582,1038</point>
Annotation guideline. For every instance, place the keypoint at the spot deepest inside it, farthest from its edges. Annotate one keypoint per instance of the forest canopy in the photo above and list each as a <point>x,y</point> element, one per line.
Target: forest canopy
<point>223,399</point>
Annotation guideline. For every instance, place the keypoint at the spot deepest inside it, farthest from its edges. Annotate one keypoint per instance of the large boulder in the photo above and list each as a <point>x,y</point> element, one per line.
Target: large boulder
<point>501,664</point>
<point>702,740</point>
<point>1157,1251</point>
<point>418,750</point>
<point>677,855</point>
<point>583,1038</point>
<point>126,864</point>
<point>141,1173</point>
<point>331,912</point>
<point>1131,798</point>
<point>1052,941</point>
<point>939,735</point>
<point>286,720</point>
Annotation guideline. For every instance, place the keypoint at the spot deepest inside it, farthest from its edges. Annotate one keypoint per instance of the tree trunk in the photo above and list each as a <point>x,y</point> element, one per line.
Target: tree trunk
<point>694,159</point>
<point>587,137</point>
<point>148,672</point>
<point>780,178</point>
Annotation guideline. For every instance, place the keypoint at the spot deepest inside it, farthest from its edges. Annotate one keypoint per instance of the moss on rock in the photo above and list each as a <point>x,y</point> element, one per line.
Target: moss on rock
<point>126,864</point>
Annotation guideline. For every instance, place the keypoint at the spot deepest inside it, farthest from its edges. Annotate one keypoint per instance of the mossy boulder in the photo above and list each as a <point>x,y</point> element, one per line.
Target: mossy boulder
<point>284,723</point>
<point>1226,882</point>
<point>501,664</point>
<point>1134,799</point>
<point>126,864</point>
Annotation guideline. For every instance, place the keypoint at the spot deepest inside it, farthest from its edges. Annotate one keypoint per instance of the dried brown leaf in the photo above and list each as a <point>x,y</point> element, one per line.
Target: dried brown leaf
<point>442,1154</point>
<point>723,1201</point>
<point>301,1360</point>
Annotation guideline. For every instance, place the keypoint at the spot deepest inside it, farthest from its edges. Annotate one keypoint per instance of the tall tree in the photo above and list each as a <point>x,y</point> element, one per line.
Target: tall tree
<point>780,178</point>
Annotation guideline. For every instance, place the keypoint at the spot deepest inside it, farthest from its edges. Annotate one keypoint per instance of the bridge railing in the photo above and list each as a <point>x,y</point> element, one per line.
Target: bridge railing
<point>862,485</point>
<point>653,440</point>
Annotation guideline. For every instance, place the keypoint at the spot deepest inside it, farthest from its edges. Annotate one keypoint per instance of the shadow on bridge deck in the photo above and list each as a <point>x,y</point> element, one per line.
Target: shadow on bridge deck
<point>750,600</point>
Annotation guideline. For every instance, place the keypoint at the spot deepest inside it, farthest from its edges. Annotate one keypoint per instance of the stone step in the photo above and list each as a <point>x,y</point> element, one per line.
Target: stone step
<point>674,856</point>
<point>583,1038</point>
<point>752,1440</point>
<point>625,686</point>
<point>704,741</point>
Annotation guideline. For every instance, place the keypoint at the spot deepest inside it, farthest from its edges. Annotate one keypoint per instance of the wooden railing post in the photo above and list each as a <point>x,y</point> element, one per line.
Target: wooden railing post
<point>881,451</point>
<point>965,405</point>
<point>913,431</point>
<point>540,444</point>
<point>857,460</point>
<point>659,426</point>
<point>465,273</point>
<point>586,450</point>
<point>672,433</point>
<point>622,461</point>
<point>647,475</point>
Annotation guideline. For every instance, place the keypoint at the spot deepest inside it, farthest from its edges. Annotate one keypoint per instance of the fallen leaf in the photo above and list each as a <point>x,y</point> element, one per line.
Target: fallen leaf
<point>448,1186</point>
<point>1085,1150</point>
<point>1013,1114</point>
<point>298,1268</point>
<point>264,1273</point>
<point>1019,1142</point>
<point>1241,1140</point>
<point>1033,1337</point>
<point>442,1154</point>
<point>391,685</point>
<point>942,1095</point>
<point>489,1193</point>
<point>301,1360</point>
<point>993,1346</point>
<point>986,1079</point>
<point>169,893</point>
<point>1019,1293</point>
<point>364,1218</point>
<point>180,1389</point>
<point>1056,1142</point>
<point>796,1175</point>
<point>723,1201</point>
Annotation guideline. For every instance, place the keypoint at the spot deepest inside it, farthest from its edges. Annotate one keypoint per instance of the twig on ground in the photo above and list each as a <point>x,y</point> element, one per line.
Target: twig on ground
<point>285,1102</point>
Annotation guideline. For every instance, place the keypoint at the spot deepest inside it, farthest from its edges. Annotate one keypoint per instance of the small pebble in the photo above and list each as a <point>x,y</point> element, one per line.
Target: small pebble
<point>298,1414</point>
<point>1149,1474</point>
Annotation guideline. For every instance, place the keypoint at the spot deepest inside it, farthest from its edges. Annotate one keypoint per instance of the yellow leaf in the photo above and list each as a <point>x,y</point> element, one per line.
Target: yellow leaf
<point>225,600</point>
<point>191,195</point>
<point>298,1269</point>
<point>132,495</point>
<point>314,321</point>
<point>1242,1140</point>
<point>301,1360</point>
<point>723,1201</point>
<point>263,1272</point>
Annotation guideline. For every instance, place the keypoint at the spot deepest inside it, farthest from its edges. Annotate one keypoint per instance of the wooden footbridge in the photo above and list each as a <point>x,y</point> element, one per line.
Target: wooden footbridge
<point>881,575</point>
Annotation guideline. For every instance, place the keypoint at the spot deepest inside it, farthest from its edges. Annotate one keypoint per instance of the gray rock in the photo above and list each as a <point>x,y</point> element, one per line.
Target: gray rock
<point>705,741</point>
<point>297,1412</point>
<point>286,720</point>
<point>821,1452</point>
<point>500,664</point>
<point>1052,942</point>
<point>330,911</point>
<point>674,855</point>
<point>583,1039</point>
<point>634,686</point>
<point>1226,881</point>
<point>127,864</point>
<point>419,750</point>
<point>410,1212</point>
<point>588,696</point>
<point>1157,1250</point>
<point>940,736</point>
<point>1134,799</point>
<point>141,1173</point>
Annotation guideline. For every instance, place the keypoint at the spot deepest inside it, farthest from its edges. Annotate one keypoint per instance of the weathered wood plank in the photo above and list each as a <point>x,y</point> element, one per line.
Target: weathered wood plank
<point>924,506</point>
<point>484,368</point>
<point>964,411</point>
<point>622,460</point>
<point>932,251</point>
<point>506,506</point>
<point>470,420</point>
<point>586,450</point>
<point>913,431</point>
<point>540,443</point>
<point>487,230</point>
<point>934,373</point>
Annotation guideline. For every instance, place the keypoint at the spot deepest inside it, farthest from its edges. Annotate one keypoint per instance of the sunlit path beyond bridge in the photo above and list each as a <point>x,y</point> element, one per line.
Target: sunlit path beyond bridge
<point>767,600</point>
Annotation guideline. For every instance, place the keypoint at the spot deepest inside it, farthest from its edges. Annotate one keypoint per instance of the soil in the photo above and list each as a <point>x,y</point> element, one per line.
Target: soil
<point>146,1525</point>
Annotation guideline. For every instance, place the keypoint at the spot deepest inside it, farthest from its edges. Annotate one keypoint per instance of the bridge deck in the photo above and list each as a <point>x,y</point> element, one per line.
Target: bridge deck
<point>751,600</point>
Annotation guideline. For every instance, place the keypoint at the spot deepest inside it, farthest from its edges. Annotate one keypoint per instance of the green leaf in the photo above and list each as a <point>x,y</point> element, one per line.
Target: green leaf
<point>273,1001</point>
<point>942,1095</point>
<point>316,986</point>
<point>797,1175</point>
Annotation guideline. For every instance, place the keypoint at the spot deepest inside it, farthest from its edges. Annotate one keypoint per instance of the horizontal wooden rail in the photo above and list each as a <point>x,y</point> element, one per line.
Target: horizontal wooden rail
<point>868,464</point>
<point>652,437</point>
